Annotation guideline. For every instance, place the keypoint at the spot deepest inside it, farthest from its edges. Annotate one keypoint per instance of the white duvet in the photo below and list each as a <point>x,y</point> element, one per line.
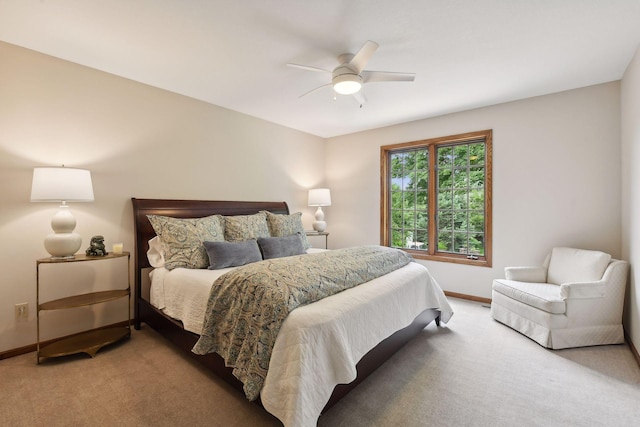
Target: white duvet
<point>319,344</point>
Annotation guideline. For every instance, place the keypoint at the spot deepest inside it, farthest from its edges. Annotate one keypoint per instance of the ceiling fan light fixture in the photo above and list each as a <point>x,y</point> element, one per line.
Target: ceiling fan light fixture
<point>347,84</point>
<point>348,77</point>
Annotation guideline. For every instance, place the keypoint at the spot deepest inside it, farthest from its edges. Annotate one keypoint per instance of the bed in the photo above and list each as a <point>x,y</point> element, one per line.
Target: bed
<point>290,408</point>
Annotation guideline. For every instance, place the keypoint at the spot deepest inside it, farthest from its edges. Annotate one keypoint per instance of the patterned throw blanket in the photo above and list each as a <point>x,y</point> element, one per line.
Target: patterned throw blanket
<point>248,305</point>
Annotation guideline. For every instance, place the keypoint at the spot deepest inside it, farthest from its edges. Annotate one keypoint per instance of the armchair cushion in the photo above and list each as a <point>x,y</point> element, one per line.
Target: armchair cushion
<point>576,265</point>
<point>542,296</point>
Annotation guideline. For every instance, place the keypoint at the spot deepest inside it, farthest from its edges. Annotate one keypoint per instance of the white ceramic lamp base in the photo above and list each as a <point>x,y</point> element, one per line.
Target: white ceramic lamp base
<point>319,224</point>
<point>64,243</point>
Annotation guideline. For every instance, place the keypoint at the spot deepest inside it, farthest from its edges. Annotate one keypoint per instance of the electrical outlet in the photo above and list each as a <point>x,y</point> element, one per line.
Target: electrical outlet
<point>22,311</point>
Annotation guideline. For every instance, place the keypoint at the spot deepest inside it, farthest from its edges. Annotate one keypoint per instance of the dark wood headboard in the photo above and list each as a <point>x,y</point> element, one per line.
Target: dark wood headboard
<point>183,209</point>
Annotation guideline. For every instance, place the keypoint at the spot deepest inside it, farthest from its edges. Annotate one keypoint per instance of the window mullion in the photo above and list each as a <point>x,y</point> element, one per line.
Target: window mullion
<point>432,204</point>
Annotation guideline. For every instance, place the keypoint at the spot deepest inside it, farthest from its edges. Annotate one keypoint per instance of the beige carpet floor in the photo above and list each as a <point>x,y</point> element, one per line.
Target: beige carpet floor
<point>471,372</point>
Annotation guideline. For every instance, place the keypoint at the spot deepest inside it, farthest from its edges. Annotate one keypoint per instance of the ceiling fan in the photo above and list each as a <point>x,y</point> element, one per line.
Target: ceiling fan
<point>348,77</point>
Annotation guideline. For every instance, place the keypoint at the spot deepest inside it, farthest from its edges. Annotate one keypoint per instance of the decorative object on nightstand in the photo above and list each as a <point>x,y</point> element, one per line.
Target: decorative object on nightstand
<point>319,197</point>
<point>96,247</point>
<point>52,184</point>
<point>90,341</point>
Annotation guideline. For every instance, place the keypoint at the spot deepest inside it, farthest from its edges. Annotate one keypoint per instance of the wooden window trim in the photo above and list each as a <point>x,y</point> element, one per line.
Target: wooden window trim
<point>431,254</point>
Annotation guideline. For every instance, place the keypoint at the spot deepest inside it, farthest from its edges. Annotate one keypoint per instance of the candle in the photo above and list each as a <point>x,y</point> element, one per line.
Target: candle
<point>117,248</point>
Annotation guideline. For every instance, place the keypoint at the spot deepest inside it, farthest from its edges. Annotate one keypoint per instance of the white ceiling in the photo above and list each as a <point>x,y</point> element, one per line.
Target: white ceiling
<point>233,53</point>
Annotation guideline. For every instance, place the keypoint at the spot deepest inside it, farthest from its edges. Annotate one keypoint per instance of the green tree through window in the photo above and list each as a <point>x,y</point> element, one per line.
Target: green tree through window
<point>436,198</point>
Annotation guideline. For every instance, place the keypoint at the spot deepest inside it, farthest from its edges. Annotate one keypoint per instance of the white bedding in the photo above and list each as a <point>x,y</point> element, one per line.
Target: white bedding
<point>319,344</point>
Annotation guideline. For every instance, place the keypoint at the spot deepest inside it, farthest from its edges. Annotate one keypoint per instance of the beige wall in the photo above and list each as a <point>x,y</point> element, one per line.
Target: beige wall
<point>630,101</point>
<point>556,180</point>
<point>137,141</point>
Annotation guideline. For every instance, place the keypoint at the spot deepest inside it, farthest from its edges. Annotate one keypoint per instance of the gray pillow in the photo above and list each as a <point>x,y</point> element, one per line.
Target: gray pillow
<point>232,254</point>
<point>278,247</point>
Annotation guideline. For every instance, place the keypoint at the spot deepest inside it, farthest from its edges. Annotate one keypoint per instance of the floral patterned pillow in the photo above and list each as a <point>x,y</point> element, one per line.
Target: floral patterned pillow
<point>238,228</point>
<point>287,225</point>
<point>183,239</point>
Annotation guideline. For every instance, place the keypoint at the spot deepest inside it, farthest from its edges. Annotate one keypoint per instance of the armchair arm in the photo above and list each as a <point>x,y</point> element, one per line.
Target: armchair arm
<point>526,274</point>
<point>582,290</point>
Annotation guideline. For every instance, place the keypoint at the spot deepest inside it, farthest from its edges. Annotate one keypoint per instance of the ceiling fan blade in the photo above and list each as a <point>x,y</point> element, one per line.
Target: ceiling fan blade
<point>363,56</point>
<point>359,96</point>
<point>309,68</point>
<point>313,90</point>
<point>386,76</point>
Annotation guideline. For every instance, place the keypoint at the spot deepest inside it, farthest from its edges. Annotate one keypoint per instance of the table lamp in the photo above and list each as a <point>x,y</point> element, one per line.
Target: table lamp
<point>319,197</point>
<point>60,184</point>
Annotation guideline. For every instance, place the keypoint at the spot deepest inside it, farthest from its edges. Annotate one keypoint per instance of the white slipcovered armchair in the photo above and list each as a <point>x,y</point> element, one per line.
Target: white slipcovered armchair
<point>575,299</point>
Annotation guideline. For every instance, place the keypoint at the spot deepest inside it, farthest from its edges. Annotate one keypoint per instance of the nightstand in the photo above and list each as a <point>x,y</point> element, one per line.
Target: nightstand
<point>90,341</point>
<point>319,234</point>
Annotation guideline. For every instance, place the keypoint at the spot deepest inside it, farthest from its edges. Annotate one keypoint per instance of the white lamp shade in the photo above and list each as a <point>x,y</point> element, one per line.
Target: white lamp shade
<point>319,197</point>
<point>61,184</point>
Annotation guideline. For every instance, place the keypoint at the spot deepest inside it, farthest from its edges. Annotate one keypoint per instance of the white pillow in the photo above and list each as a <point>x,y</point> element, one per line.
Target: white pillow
<point>569,265</point>
<point>155,254</point>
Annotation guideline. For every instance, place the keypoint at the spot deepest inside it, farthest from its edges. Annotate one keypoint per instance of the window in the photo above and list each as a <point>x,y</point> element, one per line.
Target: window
<point>436,198</point>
